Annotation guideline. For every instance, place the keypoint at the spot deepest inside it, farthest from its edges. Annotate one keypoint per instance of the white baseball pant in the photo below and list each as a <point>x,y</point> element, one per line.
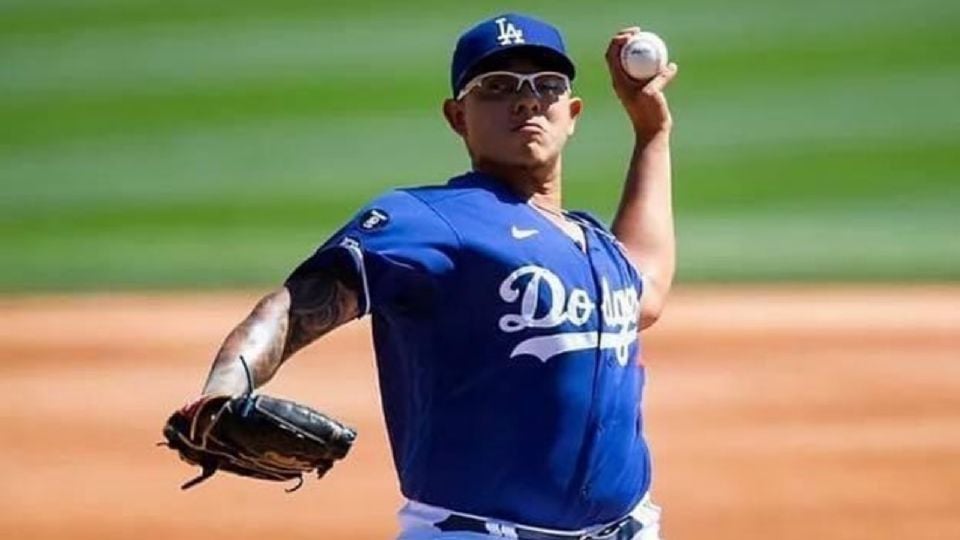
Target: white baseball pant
<point>417,523</point>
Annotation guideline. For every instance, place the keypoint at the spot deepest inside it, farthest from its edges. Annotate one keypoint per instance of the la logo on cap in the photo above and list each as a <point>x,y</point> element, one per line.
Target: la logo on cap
<point>508,32</point>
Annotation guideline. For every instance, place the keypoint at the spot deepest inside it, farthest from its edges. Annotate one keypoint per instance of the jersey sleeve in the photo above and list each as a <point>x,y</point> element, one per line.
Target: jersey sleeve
<point>395,252</point>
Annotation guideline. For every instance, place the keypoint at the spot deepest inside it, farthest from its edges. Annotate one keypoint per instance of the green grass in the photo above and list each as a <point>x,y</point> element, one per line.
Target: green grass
<point>214,144</point>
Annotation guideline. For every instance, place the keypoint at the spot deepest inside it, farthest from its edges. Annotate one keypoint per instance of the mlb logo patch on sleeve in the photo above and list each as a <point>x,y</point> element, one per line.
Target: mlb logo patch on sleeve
<point>374,219</point>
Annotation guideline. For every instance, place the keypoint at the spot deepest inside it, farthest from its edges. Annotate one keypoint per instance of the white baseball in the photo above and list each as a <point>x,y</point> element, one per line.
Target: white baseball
<point>644,55</point>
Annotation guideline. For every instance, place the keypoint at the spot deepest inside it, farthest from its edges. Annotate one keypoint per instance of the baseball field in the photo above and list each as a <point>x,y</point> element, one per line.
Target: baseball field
<point>163,163</point>
<point>809,412</point>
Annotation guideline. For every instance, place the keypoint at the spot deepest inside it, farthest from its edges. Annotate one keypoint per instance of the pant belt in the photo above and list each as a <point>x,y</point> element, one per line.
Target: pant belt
<point>624,529</point>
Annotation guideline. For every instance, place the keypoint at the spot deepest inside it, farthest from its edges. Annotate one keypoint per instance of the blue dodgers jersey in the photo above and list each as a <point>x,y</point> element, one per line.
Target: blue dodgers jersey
<point>507,356</point>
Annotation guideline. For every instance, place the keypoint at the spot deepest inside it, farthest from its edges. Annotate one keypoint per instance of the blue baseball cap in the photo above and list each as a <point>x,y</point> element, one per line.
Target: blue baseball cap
<point>483,44</point>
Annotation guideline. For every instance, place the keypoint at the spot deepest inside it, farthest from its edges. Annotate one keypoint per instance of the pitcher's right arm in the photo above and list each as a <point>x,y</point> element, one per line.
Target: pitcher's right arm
<point>282,322</point>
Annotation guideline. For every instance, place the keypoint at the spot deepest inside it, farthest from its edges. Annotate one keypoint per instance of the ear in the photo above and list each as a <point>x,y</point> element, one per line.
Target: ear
<point>455,115</point>
<point>576,107</point>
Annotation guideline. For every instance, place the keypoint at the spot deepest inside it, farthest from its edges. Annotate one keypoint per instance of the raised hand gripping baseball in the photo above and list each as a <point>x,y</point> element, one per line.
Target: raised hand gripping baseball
<point>644,101</point>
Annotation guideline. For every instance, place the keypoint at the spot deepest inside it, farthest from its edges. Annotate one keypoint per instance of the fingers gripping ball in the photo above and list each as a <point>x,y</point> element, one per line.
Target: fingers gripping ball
<point>644,55</point>
<point>256,436</point>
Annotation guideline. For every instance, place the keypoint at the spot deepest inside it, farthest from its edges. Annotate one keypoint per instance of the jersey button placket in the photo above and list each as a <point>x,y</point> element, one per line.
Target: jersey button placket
<point>597,267</point>
<point>593,259</point>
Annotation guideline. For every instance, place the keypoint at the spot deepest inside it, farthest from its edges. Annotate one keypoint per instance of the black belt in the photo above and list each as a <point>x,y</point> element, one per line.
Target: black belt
<point>624,529</point>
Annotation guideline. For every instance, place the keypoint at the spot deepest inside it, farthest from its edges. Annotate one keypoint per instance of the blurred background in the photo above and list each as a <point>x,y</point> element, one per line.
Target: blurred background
<point>195,143</point>
<point>163,163</point>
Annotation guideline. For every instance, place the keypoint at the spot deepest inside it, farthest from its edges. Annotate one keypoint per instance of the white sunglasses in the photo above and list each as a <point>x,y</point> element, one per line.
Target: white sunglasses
<point>501,84</point>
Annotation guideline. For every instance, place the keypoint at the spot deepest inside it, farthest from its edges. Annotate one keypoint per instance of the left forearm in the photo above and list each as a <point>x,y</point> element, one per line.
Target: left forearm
<point>644,220</point>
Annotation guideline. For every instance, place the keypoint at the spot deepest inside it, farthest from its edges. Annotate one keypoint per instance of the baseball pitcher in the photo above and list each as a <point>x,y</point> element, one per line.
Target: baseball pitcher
<point>506,329</point>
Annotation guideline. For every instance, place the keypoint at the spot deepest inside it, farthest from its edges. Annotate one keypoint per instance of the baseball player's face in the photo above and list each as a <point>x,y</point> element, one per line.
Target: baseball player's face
<point>518,129</point>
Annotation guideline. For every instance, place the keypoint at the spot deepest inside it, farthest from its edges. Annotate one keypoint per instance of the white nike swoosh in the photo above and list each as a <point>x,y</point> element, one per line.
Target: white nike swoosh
<point>520,234</point>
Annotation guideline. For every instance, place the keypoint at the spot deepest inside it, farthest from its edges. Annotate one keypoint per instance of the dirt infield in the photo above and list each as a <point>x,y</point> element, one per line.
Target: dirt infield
<point>773,413</point>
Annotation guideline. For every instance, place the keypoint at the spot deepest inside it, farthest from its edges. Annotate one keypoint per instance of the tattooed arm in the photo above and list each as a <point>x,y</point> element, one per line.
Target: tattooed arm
<point>281,323</point>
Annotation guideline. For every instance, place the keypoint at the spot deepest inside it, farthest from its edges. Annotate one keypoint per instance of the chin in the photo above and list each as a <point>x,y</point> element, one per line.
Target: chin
<point>530,153</point>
